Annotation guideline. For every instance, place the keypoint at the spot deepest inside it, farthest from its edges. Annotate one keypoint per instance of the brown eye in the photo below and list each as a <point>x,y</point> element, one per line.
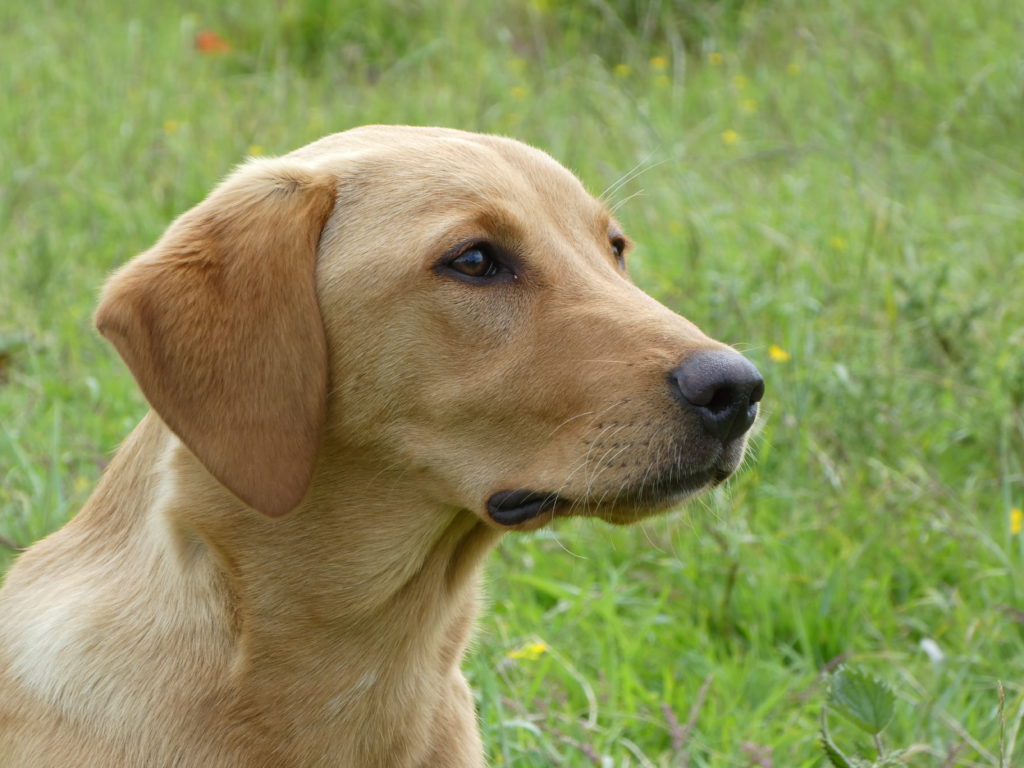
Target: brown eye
<point>476,261</point>
<point>619,251</point>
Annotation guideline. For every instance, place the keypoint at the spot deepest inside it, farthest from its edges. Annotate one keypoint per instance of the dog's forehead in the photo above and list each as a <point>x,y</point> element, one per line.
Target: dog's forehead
<point>409,170</point>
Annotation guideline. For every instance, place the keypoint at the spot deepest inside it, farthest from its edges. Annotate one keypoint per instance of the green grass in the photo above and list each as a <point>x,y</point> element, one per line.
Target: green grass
<point>842,179</point>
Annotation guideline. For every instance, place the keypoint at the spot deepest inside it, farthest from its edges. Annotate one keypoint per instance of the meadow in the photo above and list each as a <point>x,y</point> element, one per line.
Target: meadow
<point>835,187</point>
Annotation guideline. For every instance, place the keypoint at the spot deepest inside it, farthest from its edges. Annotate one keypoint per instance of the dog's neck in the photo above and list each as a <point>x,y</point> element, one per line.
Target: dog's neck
<point>360,590</point>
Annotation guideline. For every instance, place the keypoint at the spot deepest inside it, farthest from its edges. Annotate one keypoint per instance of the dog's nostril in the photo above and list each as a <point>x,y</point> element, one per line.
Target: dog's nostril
<point>721,400</point>
<point>722,388</point>
<point>758,392</point>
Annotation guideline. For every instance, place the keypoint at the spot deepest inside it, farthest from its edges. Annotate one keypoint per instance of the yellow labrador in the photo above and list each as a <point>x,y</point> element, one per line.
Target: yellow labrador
<point>366,360</point>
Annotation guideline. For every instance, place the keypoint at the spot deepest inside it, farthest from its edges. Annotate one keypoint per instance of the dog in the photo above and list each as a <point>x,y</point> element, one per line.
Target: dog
<point>366,361</point>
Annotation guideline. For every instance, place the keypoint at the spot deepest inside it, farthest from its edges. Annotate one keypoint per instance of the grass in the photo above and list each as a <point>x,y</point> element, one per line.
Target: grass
<point>841,180</point>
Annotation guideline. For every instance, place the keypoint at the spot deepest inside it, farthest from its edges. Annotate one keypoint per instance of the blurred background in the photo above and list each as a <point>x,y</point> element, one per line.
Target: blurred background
<point>835,187</point>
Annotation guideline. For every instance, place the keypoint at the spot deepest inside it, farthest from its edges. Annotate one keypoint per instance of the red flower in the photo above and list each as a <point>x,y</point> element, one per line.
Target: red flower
<point>208,42</point>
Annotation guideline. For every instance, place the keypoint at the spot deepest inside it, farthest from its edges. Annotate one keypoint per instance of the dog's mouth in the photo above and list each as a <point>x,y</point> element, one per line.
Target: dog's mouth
<point>518,507</point>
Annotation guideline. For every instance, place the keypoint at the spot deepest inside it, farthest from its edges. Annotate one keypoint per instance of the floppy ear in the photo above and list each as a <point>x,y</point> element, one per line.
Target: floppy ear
<point>220,326</point>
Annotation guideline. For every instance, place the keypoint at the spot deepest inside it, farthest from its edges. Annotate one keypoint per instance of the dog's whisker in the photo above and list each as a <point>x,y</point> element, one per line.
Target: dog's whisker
<point>618,204</point>
<point>603,464</point>
<point>650,539</point>
<point>558,540</point>
<point>597,466</point>
<point>619,487</point>
<point>580,465</point>
<point>570,419</point>
<point>635,172</point>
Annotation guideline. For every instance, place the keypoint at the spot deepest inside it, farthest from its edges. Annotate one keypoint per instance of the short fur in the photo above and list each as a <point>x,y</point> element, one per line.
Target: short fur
<point>279,567</point>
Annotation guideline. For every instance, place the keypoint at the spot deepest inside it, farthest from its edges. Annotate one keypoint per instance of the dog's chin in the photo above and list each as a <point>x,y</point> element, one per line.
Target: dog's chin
<point>527,510</point>
<point>633,505</point>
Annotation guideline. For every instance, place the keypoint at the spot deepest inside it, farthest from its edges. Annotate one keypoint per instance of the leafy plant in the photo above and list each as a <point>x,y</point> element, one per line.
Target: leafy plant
<point>869,704</point>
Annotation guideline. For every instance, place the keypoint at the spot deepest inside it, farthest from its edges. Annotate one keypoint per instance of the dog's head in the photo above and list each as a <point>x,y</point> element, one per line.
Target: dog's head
<point>450,303</point>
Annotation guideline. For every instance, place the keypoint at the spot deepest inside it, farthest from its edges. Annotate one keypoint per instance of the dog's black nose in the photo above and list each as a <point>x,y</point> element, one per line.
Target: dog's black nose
<point>722,388</point>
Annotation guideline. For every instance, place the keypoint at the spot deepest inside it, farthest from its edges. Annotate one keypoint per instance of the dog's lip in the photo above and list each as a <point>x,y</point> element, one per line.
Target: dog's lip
<point>520,505</point>
<point>515,507</point>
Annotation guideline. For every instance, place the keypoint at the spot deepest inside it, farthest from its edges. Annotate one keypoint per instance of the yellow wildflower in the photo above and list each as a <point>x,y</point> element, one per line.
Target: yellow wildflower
<point>623,70</point>
<point>793,68</point>
<point>730,137</point>
<point>255,150</point>
<point>837,243</point>
<point>171,126</point>
<point>529,652</point>
<point>778,354</point>
<point>659,63</point>
<point>714,58</point>
<point>519,93</point>
<point>1016,521</point>
<point>748,105</point>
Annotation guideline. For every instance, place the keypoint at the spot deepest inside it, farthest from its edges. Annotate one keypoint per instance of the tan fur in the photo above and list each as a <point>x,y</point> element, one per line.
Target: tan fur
<point>306,360</point>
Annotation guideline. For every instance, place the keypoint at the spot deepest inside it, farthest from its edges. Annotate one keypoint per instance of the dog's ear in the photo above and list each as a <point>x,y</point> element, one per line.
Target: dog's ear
<point>219,324</point>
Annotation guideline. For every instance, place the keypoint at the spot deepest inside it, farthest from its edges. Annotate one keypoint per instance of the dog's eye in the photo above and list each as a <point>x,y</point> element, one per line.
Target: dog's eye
<point>619,251</point>
<point>479,262</point>
<point>475,262</point>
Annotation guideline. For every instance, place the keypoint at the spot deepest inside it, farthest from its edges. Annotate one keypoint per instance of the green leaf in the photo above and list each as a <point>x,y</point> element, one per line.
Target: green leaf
<point>865,701</point>
<point>832,752</point>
